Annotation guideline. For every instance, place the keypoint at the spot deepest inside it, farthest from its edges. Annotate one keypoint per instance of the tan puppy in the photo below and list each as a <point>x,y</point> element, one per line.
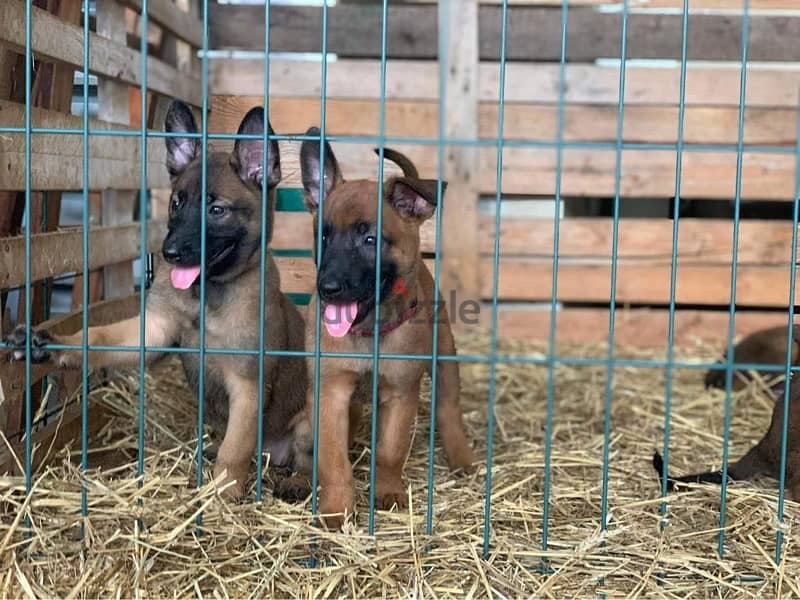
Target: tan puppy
<point>346,290</point>
<point>233,238</point>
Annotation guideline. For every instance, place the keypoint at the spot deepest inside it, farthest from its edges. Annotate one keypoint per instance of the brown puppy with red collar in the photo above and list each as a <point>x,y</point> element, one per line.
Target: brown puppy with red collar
<point>346,291</point>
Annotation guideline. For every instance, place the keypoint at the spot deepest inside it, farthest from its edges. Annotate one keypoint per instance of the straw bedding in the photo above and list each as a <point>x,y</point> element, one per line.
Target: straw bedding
<point>271,550</point>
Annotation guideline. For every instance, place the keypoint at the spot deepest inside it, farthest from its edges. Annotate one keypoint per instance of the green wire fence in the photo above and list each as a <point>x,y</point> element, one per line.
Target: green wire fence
<point>292,200</point>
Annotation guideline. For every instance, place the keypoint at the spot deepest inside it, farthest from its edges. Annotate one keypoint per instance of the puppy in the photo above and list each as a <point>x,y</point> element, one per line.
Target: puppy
<point>233,206</point>
<point>765,457</point>
<point>346,291</point>
<point>766,346</point>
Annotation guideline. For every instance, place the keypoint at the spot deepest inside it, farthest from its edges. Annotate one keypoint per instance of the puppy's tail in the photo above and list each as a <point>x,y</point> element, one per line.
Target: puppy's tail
<point>748,466</point>
<point>401,160</point>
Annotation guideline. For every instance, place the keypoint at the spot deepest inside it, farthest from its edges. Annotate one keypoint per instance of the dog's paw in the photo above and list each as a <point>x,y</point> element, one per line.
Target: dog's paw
<point>16,340</point>
<point>462,462</point>
<point>715,378</point>
<point>333,522</point>
<point>225,474</point>
<point>294,488</point>
<point>392,494</point>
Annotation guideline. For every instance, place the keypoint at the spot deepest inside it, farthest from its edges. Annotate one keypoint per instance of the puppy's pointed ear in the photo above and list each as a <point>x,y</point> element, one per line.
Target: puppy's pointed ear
<point>414,199</point>
<point>309,167</point>
<point>180,151</point>
<point>249,154</point>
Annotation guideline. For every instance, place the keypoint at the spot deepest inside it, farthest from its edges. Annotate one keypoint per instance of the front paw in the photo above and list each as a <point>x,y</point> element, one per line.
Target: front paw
<point>462,462</point>
<point>294,488</point>
<point>16,341</point>
<point>389,494</point>
<point>336,505</point>
<point>225,474</point>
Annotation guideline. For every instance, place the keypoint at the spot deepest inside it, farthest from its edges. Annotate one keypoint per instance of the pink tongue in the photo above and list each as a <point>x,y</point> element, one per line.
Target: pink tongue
<point>339,318</point>
<point>184,277</point>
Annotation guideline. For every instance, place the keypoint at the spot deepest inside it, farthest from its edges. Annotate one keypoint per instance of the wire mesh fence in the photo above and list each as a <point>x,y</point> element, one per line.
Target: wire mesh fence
<point>378,358</point>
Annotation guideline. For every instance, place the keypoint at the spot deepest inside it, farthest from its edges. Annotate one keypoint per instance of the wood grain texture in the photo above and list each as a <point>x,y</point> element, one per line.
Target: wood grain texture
<point>638,281</point>
<point>644,328</point>
<point>113,100</point>
<point>789,6</point>
<point>459,265</point>
<point>533,32</point>
<point>53,39</point>
<point>57,162</point>
<point>60,252</point>
<point>171,17</point>
<point>582,122</point>
<point>585,172</point>
<point>700,241</point>
<point>709,84</point>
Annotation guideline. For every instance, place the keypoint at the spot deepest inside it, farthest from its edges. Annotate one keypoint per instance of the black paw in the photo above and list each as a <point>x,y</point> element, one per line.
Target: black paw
<point>292,489</point>
<point>16,340</point>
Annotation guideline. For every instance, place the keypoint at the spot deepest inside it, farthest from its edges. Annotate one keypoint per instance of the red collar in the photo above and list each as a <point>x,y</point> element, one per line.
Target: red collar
<point>408,314</point>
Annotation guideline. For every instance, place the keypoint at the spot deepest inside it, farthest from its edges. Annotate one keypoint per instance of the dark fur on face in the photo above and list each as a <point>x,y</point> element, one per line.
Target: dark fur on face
<point>233,231</point>
<point>346,213</point>
<point>233,205</point>
<point>349,229</point>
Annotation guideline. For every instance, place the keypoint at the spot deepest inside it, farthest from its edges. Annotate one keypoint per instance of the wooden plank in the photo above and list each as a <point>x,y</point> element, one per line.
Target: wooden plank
<point>55,435</point>
<point>700,241</point>
<point>113,107</point>
<point>53,39</point>
<point>57,162</point>
<point>533,32</point>
<point>459,265</point>
<point>582,122</point>
<point>587,172</point>
<point>789,6</point>
<point>706,83</point>
<point>95,275</point>
<point>179,23</point>
<point>646,328</point>
<point>13,374</point>
<point>638,282</point>
<point>60,252</point>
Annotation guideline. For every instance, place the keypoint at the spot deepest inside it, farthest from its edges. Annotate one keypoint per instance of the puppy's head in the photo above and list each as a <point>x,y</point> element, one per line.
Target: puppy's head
<point>346,276</point>
<point>232,203</point>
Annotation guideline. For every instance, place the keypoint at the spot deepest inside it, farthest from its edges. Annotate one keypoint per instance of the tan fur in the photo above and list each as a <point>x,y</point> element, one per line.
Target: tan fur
<point>347,382</point>
<point>232,315</point>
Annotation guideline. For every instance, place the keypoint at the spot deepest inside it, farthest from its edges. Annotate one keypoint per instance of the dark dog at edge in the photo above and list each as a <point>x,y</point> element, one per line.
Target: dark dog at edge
<point>765,457</point>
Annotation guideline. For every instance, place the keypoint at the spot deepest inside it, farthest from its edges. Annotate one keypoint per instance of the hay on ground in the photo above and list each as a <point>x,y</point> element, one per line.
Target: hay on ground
<point>271,550</point>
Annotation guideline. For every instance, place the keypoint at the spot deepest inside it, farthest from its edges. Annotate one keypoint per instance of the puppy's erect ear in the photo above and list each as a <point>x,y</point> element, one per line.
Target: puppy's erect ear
<point>309,167</point>
<point>249,154</point>
<point>413,199</point>
<point>180,151</point>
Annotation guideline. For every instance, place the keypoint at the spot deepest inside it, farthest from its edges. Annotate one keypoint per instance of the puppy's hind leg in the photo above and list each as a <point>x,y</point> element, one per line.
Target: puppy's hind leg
<point>449,418</point>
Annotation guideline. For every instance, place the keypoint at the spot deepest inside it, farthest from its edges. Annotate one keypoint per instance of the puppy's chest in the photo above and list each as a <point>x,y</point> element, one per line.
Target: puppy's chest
<point>227,320</point>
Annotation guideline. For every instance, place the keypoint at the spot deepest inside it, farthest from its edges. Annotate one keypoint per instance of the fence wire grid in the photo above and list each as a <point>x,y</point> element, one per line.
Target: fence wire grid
<point>493,358</point>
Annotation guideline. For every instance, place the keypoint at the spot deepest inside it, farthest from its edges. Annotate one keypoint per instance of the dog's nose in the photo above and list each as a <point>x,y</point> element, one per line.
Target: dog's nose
<point>330,287</point>
<point>171,253</point>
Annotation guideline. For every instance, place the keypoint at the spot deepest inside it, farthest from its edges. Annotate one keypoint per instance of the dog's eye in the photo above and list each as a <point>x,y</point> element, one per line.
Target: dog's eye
<point>370,240</point>
<point>215,210</point>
